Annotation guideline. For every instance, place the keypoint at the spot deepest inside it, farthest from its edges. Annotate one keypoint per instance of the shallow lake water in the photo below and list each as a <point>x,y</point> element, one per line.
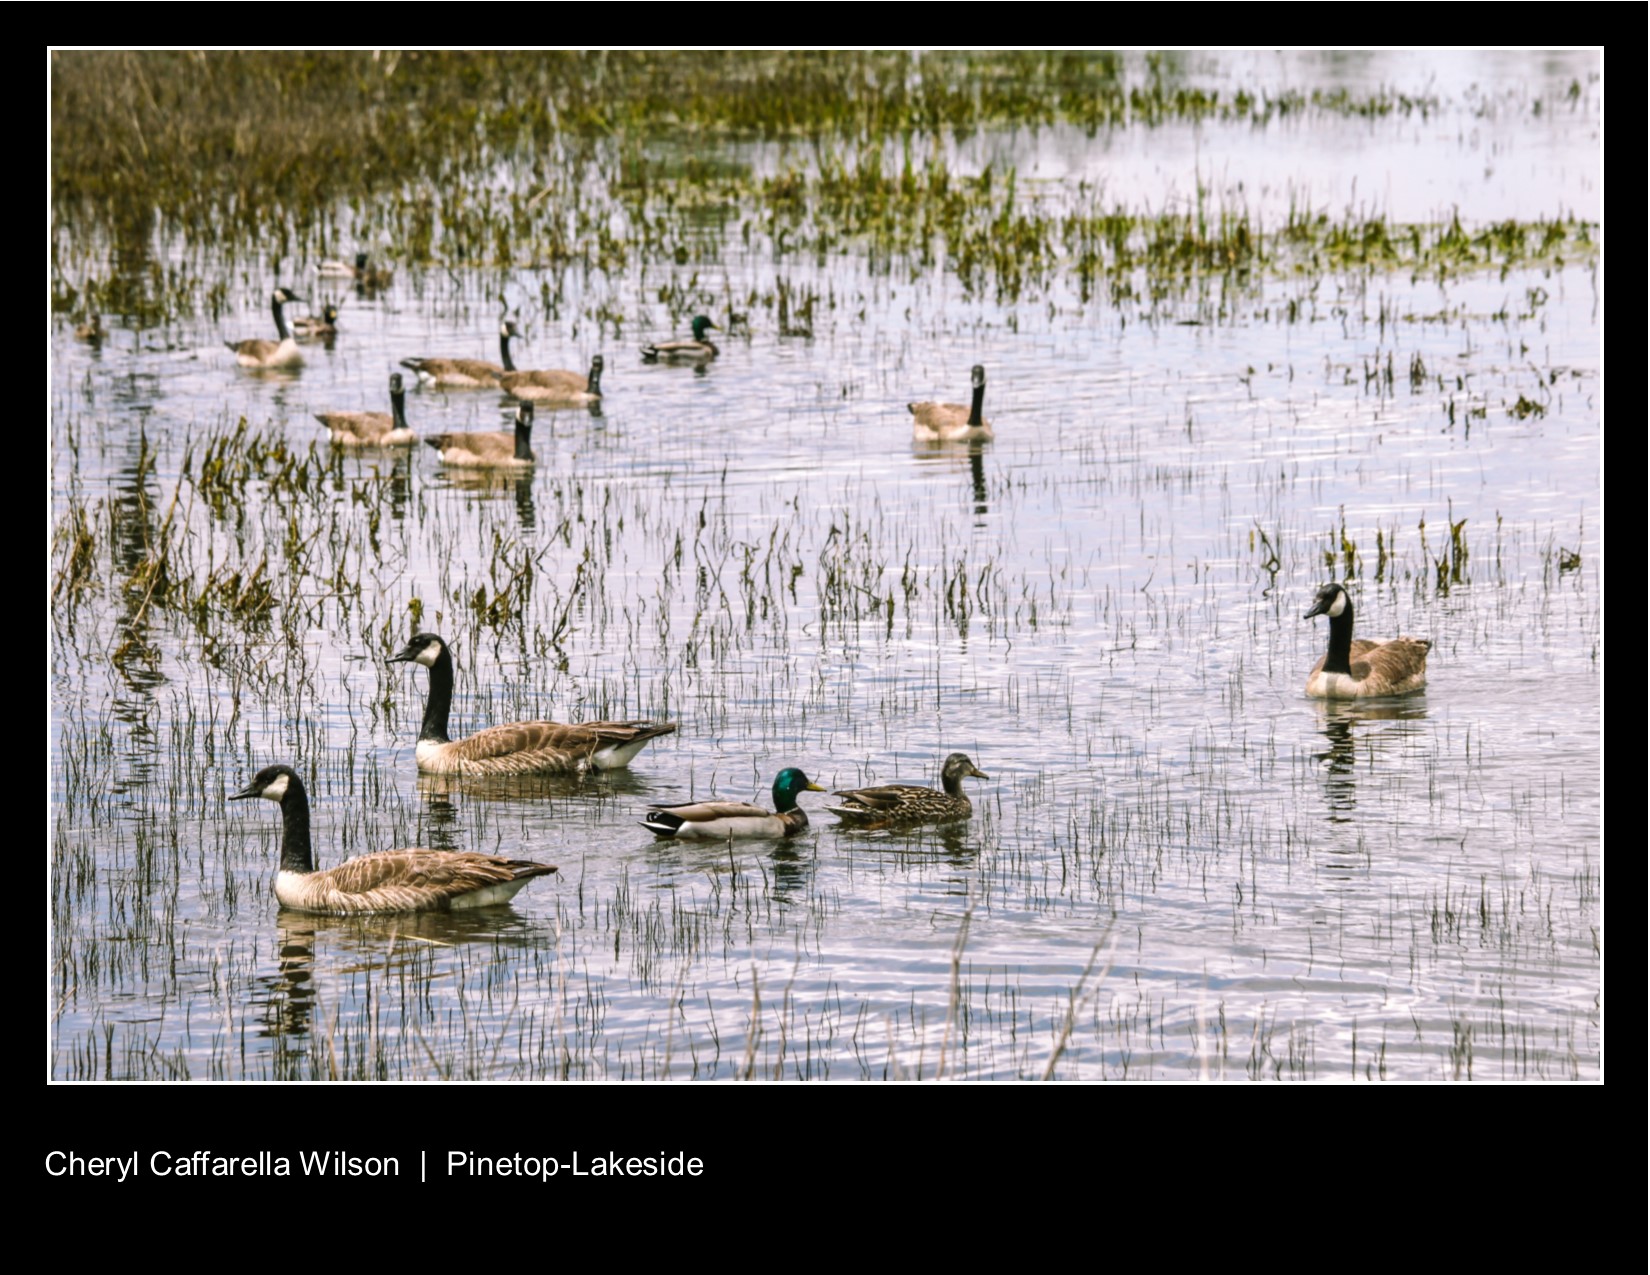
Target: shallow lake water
<point>1181,867</point>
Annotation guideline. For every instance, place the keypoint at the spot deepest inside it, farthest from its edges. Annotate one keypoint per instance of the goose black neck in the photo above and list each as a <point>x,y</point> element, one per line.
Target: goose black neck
<point>280,320</point>
<point>524,451</point>
<point>974,420</point>
<point>1339,659</point>
<point>594,385</point>
<point>295,854</point>
<point>440,702</point>
<point>504,351</point>
<point>398,408</point>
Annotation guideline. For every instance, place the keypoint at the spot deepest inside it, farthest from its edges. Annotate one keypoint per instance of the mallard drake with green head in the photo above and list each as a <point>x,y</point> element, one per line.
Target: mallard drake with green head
<point>697,350</point>
<point>895,805</point>
<point>725,820</point>
<point>323,324</point>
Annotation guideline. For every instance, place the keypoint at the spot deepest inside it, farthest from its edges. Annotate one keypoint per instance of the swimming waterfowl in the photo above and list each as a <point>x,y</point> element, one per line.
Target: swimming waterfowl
<point>722,820</point>
<point>521,748</point>
<point>411,880</point>
<point>889,805</point>
<point>1362,669</point>
<point>91,331</point>
<point>372,429</point>
<point>575,389</point>
<point>697,350</point>
<point>468,373</point>
<point>257,352</point>
<point>952,422</point>
<point>323,324</point>
<point>368,276</point>
<point>490,448</point>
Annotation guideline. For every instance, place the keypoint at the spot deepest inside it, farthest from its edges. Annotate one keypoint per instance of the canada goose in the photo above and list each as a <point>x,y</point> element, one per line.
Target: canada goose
<point>490,448</point>
<point>257,352</point>
<point>521,748</point>
<point>697,350</point>
<point>366,275</point>
<point>937,422</point>
<point>574,389</point>
<point>1362,669</point>
<point>323,324</point>
<point>468,373</point>
<point>722,820</point>
<point>372,429</point>
<point>92,331</point>
<point>412,880</point>
<point>890,805</point>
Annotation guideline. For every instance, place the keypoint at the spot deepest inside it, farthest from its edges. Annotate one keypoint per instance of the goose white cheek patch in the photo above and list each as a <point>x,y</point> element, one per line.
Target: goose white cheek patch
<point>1338,605</point>
<point>277,790</point>
<point>428,656</point>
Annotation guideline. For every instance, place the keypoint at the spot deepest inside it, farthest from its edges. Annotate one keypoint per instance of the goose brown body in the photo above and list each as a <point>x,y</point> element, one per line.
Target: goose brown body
<point>258,352</point>
<point>555,387</point>
<point>490,448</point>
<point>893,805</point>
<point>952,422</point>
<point>468,373</point>
<point>1360,668</point>
<point>407,880</point>
<point>520,748</point>
<point>372,429</point>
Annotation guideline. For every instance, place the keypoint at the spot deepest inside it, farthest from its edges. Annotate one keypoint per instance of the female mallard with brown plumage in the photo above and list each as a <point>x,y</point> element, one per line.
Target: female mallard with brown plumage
<point>698,350</point>
<point>257,352</point>
<point>1362,669</point>
<point>952,422</point>
<point>727,820</point>
<point>411,880</point>
<point>468,373</point>
<point>521,748</point>
<point>372,429</point>
<point>556,388</point>
<point>892,805</point>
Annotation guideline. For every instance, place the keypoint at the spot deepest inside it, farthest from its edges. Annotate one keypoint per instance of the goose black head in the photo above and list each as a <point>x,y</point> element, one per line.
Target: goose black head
<point>421,648</point>
<point>272,782</point>
<point>1331,601</point>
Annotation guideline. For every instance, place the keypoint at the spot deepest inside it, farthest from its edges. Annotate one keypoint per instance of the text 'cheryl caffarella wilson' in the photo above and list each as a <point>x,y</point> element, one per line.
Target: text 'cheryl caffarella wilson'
<point>342,1164</point>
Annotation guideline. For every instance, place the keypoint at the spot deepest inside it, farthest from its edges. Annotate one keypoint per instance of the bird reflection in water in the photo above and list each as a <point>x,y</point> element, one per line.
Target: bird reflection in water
<point>954,457</point>
<point>1340,760</point>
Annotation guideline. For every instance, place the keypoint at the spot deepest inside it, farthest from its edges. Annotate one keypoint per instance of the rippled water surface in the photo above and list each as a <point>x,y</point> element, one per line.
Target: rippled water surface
<point>1180,867</point>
